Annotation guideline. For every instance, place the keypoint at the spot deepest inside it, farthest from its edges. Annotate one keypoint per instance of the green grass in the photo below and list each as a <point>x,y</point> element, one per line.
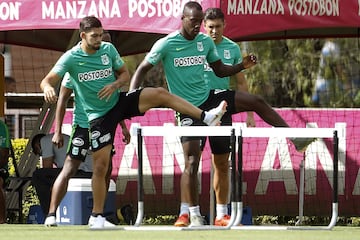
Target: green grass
<point>39,232</point>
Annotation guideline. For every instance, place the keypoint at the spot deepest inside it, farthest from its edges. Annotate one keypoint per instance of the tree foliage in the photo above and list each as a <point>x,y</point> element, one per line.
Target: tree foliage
<point>287,70</point>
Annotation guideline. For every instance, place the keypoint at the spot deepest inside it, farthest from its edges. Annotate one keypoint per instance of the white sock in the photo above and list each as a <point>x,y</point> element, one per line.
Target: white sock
<point>195,210</point>
<point>184,208</point>
<point>207,117</point>
<point>221,210</point>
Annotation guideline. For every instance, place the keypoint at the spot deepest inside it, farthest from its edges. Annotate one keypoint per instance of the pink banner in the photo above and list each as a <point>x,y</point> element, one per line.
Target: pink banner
<point>251,17</point>
<point>131,15</point>
<point>270,166</point>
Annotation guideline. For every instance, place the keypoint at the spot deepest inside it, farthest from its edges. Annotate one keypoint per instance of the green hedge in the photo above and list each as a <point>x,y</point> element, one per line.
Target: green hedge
<point>30,197</point>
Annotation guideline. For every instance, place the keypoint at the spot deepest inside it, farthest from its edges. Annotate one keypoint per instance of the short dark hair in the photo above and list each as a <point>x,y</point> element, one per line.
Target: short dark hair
<point>214,13</point>
<point>89,22</point>
<point>35,140</point>
<point>192,5</point>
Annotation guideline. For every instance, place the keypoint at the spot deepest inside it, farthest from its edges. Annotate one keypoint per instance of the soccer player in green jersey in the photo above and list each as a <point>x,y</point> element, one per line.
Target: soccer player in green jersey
<point>80,144</point>
<point>4,172</point>
<point>230,53</point>
<point>97,72</point>
<point>183,54</point>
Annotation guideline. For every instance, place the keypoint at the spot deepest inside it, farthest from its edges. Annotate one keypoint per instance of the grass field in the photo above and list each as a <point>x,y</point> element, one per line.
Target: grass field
<point>39,232</point>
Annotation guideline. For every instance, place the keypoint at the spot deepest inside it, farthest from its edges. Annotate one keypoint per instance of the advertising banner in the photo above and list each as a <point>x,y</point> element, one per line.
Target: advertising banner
<point>131,15</point>
<point>271,166</point>
<point>290,18</point>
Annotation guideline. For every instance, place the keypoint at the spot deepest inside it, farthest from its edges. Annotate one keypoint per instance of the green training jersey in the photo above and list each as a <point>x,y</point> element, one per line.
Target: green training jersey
<point>89,74</point>
<point>4,140</point>
<point>230,54</point>
<point>4,135</point>
<point>183,62</point>
<point>79,114</point>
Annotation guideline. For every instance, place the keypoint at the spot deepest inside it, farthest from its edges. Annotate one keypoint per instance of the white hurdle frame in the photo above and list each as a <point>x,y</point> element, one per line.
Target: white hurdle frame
<point>237,134</point>
<point>298,133</point>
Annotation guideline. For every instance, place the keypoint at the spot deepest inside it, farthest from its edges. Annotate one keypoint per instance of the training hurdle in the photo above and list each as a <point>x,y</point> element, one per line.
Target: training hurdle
<point>236,134</point>
<point>298,133</point>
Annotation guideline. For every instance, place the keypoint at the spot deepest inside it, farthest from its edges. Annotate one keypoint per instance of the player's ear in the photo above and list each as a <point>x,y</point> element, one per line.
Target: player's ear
<point>82,35</point>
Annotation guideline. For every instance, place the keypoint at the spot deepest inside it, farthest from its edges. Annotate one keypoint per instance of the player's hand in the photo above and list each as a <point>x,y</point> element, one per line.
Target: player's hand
<point>126,134</point>
<point>250,121</point>
<point>107,91</point>
<point>50,95</point>
<point>58,140</point>
<point>249,61</point>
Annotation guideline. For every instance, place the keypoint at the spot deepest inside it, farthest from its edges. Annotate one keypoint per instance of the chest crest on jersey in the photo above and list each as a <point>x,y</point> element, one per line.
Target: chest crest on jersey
<point>105,59</point>
<point>200,46</point>
<point>227,54</point>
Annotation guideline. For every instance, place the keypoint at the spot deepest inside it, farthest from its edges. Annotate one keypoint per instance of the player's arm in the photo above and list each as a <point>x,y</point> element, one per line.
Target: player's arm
<point>140,74</point>
<point>241,84</point>
<point>64,97</point>
<point>48,85</point>
<point>223,70</point>
<point>123,78</point>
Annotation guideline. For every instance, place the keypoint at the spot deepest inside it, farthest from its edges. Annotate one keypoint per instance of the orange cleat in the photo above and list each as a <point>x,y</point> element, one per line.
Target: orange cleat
<point>224,221</point>
<point>182,221</point>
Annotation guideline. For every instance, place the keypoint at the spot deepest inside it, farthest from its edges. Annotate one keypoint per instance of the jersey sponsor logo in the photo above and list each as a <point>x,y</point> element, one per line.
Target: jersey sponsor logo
<point>84,152</point>
<point>95,134</point>
<point>186,122</point>
<point>78,142</point>
<point>75,151</point>
<point>207,67</point>
<point>95,75</point>
<point>82,63</point>
<point>189,61</point>
<point>106,138</point>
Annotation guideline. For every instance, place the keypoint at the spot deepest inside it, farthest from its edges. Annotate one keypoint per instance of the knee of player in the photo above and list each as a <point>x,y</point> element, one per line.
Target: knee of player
<point>68,173</point>
<point>161,93</point>
<point>100,168</point>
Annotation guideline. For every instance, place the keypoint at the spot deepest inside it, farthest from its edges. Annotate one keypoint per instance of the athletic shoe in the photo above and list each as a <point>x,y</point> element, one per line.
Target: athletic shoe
<point>182,221</point>
<point>302,143</point>
<point>99,222</point>
<point>224,221</point>
<point>213,117</point>
<point>196,221</point>
<point>50,221</point>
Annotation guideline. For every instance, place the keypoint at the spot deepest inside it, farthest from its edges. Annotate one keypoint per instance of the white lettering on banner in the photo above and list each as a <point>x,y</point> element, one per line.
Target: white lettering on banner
<point>318,150</point>
<point>317,155</point>
<point>263,7</point>
<point>285,173</point>
<point>9,10</point>
<point>275,7</point>
<point>314,7</point>
<point>128,174</point>
<point>156,8</point>
<point>80,9</point>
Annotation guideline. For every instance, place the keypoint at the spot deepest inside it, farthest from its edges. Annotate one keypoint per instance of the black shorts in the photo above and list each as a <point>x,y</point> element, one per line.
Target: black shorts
<point>79,143</point>
<point>218,145</point>
<point>102,130</point>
